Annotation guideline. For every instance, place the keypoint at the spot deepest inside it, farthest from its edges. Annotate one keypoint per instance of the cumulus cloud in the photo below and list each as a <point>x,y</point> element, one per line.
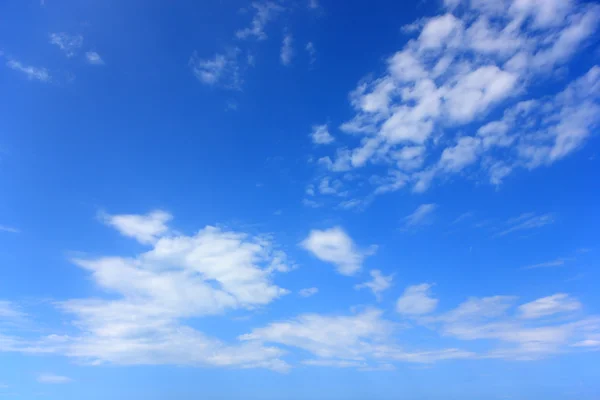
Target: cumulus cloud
<point>336,247</point>
<point>378,284</point>
<point>416,300</point>
<point>145,229</point>
<point>428,115</point>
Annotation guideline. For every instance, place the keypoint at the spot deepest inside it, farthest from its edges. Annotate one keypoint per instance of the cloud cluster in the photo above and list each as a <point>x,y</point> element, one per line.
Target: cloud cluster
<point>454,99</point>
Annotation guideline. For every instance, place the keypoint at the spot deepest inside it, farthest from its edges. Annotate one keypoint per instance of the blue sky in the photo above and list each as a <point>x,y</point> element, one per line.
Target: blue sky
<point>307,200</point>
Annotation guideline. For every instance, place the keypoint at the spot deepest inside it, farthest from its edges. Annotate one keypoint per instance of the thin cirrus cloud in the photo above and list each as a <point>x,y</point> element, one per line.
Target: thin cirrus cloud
<point>525,222</point>
<point>423,215</point>
<point>53,379</point>
<point>31,72</point>
<point>445,82</point>
<point>308,292</point>
<point>334,246</point>
<point>9,229</point>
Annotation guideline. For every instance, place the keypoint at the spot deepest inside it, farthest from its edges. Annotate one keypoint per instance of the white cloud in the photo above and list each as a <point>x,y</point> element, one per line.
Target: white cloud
<point>559,262</point>
<point>9,311</point>
<point>527,221</point>
<point>264,13</point>
<point>69,44</point>
<point>32,73</point>
<point>416,300</point>
<point>463,67</point>
<point>153,294</point>
<point>145,229</point>
<point>287,50</point>
<point>422,215</point>
<point>336,247</point>
<point>320,134</point>
<point>378,284</point>
<point>53,379</point>
<point>307,292</point>
<point>223,69</point>
<point>558,303</point>
<point>313,4</point>
<point>312,52</point>
<point>9,229</point>
<point>93,58</point>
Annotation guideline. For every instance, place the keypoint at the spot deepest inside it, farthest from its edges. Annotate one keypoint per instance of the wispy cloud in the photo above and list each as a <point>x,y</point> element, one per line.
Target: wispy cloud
<point>527,221</point>
<point>312,52</point>
<point>464,216</point>
<point>32,73</point>
<point>307,292</point>
<point>264,12</point>
<point>9,229</point>
<point>421,216</point>
<point>223,69</point>
<point>378,284</point>
<point>559,262</point>
<point>287,50</point>
<point>53,379</point>
<point>69,44</point>
<point>320,134</point>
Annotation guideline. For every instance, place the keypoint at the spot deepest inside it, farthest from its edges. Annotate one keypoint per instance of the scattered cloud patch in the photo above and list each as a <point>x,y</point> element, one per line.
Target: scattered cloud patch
<point>421,216</point>
<point>222,70</point>
<point>53,379</point>
<point>287,50</point>
<point>378,284</point>
<point>559,262</point>
<point>320,134</point>
<point>9,229</point>
<point>69,44</point>
<point>428,116</point>
<point>527,221</point>
<point>334,246</point>
<point>264,12</point>
<point>307,292</point>
<point>416,300</point>
<point>558,303</point>
<point>146,229</point>
<point>93,58</point>
<point>32,73</point>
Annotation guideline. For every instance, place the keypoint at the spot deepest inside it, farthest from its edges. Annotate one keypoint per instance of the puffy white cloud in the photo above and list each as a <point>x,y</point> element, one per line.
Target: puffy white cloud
<point>32,73</point>
<point>320,134</point>
<point>287,50</point>
<point>416,300</point>
<point>93,58</point>
<point>378,284</point>
<point>145,229</point>
<point>464,66</point>
<point>422,215</point>
<point>53,379</point>
<point>558,303</point>
<point>336,247</point>
<point>69,44</point>
<point>307,292</point>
